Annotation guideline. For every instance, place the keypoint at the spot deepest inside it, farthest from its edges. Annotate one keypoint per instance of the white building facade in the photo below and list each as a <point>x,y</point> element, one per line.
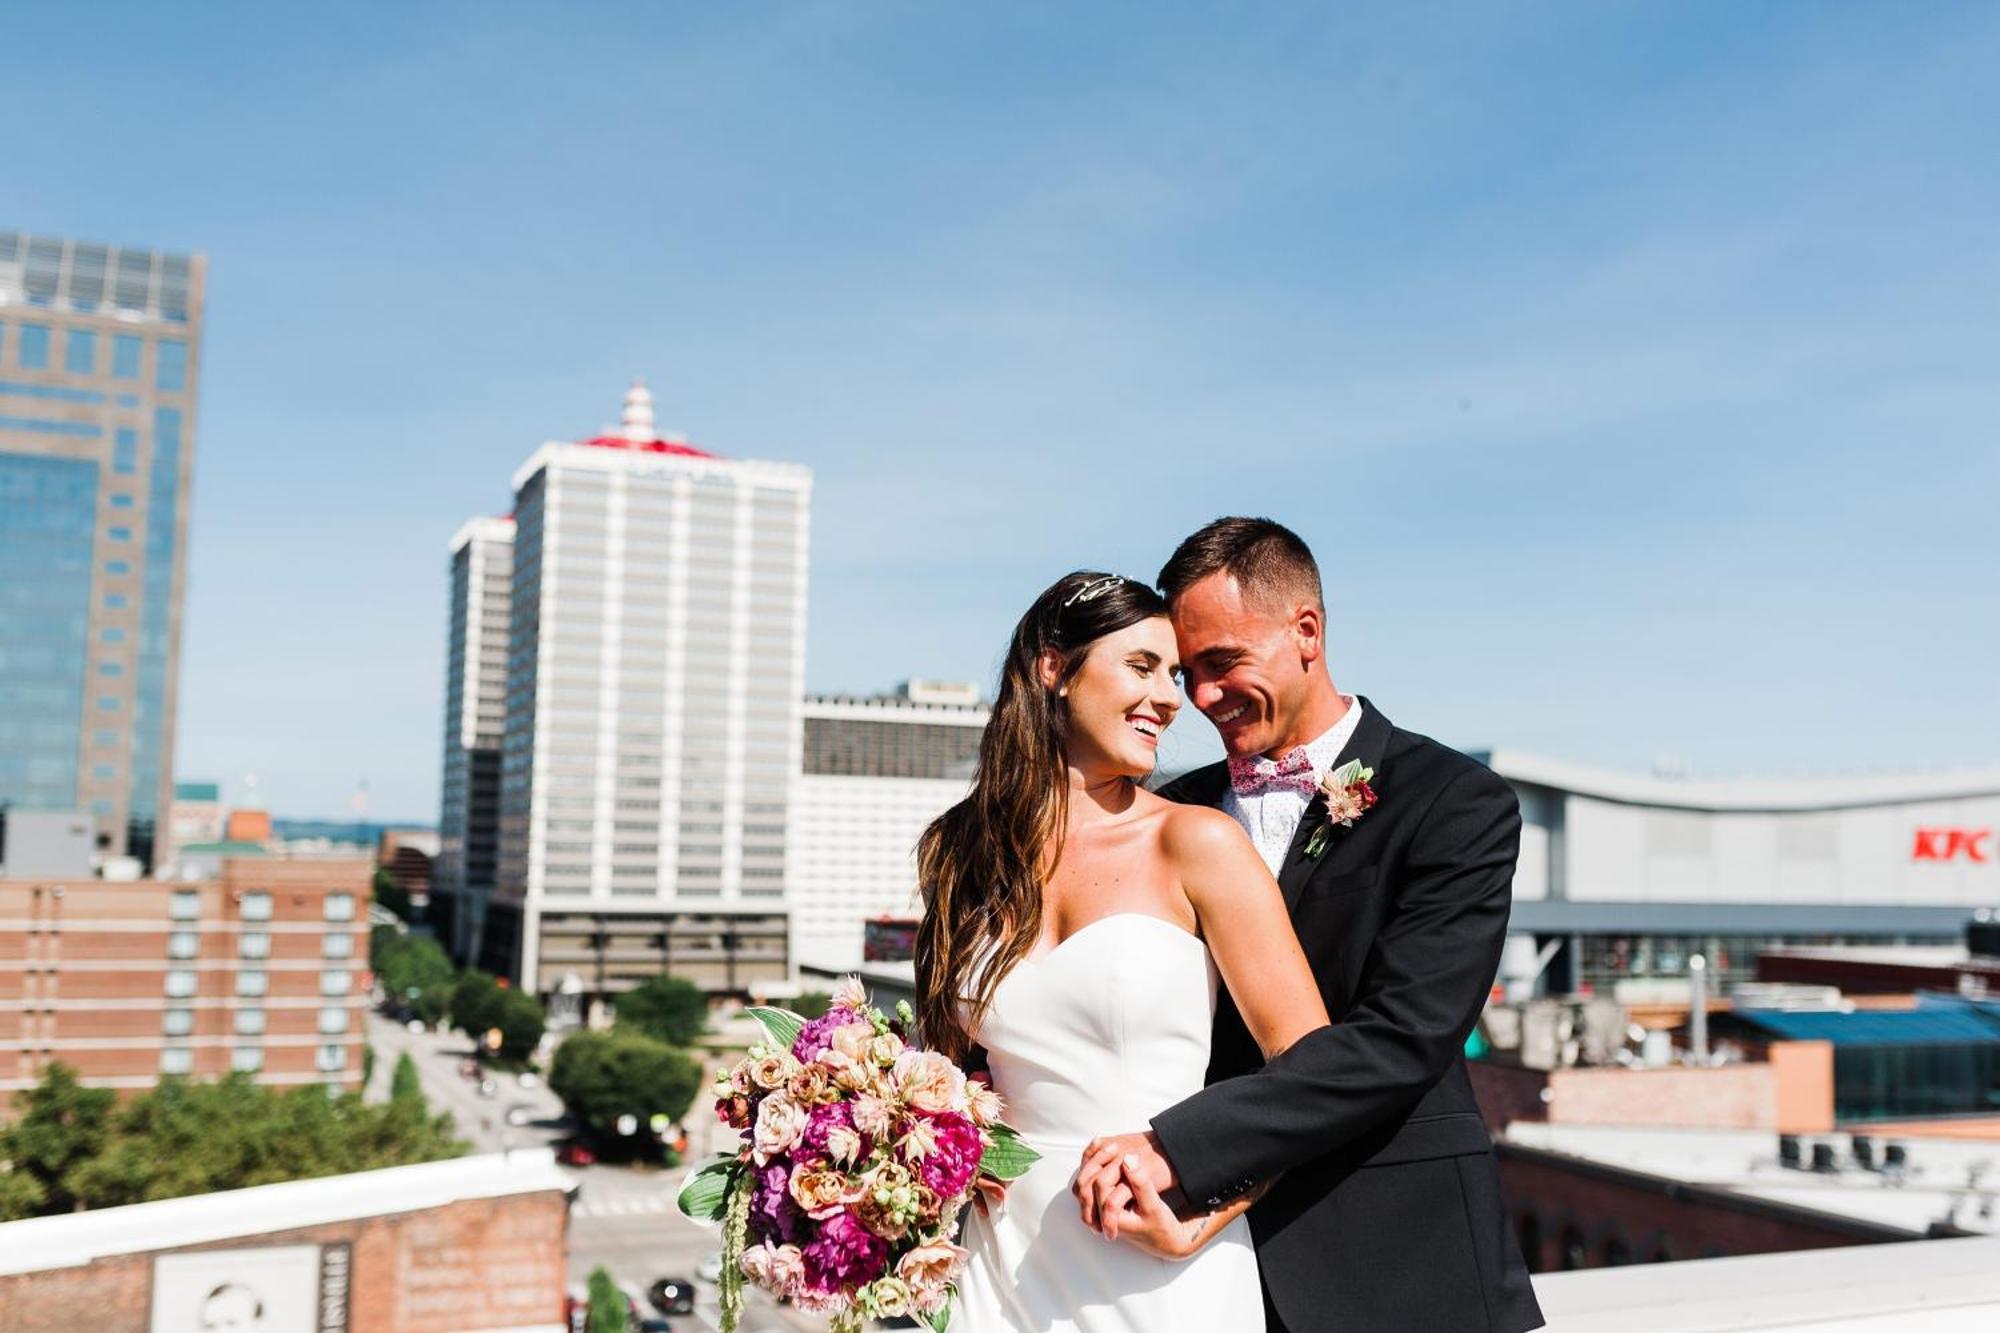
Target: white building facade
<point>875,772</point>
<point>654,675</point>
<point>475,716</point>
<point>1630,875</point>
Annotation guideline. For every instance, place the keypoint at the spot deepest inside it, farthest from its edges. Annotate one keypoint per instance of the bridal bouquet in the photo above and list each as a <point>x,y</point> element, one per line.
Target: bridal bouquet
<point>859,1153</point>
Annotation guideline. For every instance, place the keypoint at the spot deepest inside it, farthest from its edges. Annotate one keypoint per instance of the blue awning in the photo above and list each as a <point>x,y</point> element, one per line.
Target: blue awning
<point>1934,1023</point>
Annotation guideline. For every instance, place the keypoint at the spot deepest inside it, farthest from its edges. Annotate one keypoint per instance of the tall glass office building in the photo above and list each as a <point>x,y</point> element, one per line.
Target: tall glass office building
<point>99,359</point>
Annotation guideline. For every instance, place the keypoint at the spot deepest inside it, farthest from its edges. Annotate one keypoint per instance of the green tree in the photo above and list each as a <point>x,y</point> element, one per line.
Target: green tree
<point>521,1023</point>
<point>418,973</point>
<point>403,1081</point>
<point>392,895</point>
<point>601,1076</point>
<point>61,1125</point>
<point>164,1143</point>
<point>383,940</point>
<point>813,1004</point>
<point>475,1004</point>
<point>664,1008</point>
<point>609,1310</point>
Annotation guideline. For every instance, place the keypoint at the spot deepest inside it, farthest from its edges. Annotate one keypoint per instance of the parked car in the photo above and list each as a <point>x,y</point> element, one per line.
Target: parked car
<point>520,1113</point>
<point>579,1154</point>
<point>672,1295</point>
<point>528,1078</point>
<point>488,1088</point>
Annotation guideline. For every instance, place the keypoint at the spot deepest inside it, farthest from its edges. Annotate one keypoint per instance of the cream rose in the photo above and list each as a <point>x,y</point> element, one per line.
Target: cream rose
<point>929,1269</point>
<point>780,1121</point>
<point>929,1082</point>
<point>822,1193</point>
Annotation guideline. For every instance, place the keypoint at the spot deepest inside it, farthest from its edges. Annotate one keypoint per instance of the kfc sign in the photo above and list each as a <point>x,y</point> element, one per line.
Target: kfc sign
<point>1954,844</point>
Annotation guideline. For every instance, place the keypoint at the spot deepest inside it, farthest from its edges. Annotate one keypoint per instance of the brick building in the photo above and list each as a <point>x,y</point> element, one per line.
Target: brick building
<point>262,969</point>
<point>474,1243</point>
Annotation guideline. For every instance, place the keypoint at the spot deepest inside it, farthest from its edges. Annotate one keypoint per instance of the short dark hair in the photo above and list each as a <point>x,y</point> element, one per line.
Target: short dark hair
<point>1266,558</point>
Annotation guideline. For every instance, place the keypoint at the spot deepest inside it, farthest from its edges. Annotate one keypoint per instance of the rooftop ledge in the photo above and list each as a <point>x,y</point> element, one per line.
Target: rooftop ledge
<point>1937,1286</point>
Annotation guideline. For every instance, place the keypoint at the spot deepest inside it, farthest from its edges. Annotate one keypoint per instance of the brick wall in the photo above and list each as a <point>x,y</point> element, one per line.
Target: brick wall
<point>1791,1091</point>
<point>490,1264</point>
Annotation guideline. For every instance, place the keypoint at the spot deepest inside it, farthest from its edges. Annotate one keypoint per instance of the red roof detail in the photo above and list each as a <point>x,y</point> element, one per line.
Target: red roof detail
<point>649,446</point>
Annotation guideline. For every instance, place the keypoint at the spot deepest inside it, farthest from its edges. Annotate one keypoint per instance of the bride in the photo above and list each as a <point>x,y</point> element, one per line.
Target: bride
<point>1073,931</point>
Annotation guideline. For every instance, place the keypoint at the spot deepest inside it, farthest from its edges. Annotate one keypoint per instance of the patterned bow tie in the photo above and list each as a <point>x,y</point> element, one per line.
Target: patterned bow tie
<point>1291,771</point>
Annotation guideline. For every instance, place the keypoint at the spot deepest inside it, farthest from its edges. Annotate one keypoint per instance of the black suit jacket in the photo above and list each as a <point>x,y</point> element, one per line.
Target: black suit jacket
<point>1388,1216</point>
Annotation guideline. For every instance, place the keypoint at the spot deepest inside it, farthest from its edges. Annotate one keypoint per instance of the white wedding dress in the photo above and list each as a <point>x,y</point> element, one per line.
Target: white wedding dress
<point>1096,1036</point>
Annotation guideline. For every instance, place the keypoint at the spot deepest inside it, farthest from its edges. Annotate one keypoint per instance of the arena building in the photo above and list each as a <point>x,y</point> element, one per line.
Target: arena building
<point>1625,877</point>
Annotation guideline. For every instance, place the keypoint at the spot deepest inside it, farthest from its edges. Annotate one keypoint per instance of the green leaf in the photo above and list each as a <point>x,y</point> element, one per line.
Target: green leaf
<point>942,1319</point>
<point>1350,773</point>
<point>705,1196</point>
<point>1008,1157</point>
<point>782,1026</point>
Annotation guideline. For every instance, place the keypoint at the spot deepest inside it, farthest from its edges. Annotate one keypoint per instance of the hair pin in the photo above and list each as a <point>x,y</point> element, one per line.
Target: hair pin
<point>1093,590</point>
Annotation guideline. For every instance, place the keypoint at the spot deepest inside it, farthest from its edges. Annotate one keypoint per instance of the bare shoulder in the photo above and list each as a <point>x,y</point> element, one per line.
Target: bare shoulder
<point>1194,834</point>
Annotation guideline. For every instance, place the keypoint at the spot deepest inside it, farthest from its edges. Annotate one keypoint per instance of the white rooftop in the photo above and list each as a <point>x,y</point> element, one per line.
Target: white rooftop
<point>74,1239</point>
<point>1933,1286</point>
<point>1751,793</point>
<point>1946,1180</point>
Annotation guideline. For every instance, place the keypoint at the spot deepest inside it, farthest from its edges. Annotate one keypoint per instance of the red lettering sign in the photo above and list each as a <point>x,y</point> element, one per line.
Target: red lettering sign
<point>1953,844</point>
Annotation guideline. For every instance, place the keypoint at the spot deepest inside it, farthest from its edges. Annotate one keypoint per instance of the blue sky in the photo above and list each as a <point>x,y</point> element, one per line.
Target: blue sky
<point>1631,368</point>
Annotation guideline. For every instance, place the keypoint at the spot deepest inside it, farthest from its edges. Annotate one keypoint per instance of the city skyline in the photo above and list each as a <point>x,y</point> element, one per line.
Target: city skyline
<point>1626,370</point>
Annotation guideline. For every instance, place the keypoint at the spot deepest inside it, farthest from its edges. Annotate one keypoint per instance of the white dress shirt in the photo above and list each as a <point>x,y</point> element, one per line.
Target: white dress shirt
<point>1272,816</point>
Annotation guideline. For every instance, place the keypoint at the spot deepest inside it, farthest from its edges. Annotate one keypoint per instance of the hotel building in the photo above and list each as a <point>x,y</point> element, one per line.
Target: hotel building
<point>874,773</point>
<point>654,673</point>
<point>99,360</point>
<point>261,970</point>
<point>475,717</point>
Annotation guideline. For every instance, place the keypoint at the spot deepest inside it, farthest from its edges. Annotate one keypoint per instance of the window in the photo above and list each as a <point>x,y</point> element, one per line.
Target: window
<point>110,668</point>
<point>253,944</point>
<point>183,944</point>
<point>125,451</point>
<point>80,352</point>
<point>34,344</point>
<point>103,772</point>
<point>121,502</point>
<point>170,364</point>
<point>108,704</point>
<point>332,1020</point>
<point>185,905</point>
<point>179,1022</point>
<point>116,601</point>
<point>331,1058</point>
<point>119,534</point>
<point>180,983</point>
<point>118,566</point>
<point>249,1022</point>
<point>176,1060</point>
<point>246,1059</point>
<point>125,356</point>
<point>112,636</point>
<point>252,983</point>
<point>337,946</point>
<point>334,983</point>
<point>339,907</point>
<point>256,907</point>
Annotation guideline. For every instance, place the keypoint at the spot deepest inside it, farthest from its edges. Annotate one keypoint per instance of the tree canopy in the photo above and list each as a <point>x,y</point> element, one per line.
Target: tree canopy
<point>475,1004</point>
<point>664,1008</point>
<point>415,970</point>
<point>603,1075</point>
<point>75,1149</point>
<point>521,1023</point>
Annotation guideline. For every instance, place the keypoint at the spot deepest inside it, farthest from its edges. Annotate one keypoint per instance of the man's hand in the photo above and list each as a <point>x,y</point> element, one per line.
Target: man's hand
<point>1101,1186</point>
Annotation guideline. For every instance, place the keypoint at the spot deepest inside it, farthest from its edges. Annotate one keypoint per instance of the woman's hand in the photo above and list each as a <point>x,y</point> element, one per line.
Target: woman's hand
<point>1148,1223</point>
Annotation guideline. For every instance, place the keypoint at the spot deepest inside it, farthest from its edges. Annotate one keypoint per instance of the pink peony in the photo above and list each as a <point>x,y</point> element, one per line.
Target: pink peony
<point>846,1255</point>
<point>954,1159</point>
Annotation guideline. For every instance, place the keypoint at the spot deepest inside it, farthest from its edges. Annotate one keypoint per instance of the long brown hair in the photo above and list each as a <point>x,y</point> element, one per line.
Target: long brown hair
<point>982,863</point>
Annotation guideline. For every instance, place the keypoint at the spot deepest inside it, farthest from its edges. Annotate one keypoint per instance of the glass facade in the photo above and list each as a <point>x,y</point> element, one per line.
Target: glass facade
<point>48,526</point>
<point>96,402</point>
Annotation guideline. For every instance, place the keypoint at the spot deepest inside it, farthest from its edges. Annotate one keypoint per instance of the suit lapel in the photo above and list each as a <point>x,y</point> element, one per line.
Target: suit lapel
<point>1369,741</point>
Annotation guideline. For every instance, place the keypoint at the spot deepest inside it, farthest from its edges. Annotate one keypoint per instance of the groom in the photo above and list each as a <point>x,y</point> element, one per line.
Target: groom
<point>1385,1213</point>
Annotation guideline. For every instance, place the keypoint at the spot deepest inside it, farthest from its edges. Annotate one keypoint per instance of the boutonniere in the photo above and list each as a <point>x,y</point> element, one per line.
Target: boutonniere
<point>1348,797</point>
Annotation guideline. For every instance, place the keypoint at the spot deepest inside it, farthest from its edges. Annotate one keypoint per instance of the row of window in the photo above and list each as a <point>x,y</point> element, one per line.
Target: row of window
<point>250,1022</point>
<point>185,905</point>
<point>34,344</point>
<point>255,944</point>
<point>327,1059</point>
<point>182,982</point>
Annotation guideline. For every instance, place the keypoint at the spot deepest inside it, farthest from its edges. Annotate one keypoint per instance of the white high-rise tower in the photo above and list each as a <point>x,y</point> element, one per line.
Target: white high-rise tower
<point>654,676</point>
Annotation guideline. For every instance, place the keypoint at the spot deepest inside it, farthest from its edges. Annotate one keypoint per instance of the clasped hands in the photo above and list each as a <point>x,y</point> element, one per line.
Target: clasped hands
<point>1123,1187</point>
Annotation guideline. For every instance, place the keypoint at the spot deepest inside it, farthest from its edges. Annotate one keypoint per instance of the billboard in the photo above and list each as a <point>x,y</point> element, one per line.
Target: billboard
<point>267,1289</point>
